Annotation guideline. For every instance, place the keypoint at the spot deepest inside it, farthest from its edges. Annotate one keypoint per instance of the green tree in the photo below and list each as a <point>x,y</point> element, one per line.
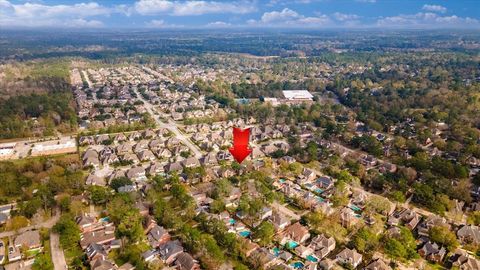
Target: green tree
<point>443,236</point>
<point>264,232</point>
<point>365,240</point>
<point>43,261</point>
<point>69,232</point>
<point>395,250</point>
<point>99,195</point>
<point>120,182</point>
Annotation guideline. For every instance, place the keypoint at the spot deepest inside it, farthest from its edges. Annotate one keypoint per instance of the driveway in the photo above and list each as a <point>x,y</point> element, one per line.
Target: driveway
<point>58,257</point>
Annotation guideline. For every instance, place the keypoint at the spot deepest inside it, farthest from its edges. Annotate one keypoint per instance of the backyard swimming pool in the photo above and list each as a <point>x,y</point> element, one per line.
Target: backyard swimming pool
<point>105,219</point>
<point>297,265</point>
<point>244,233</point>
<point>312,258</point>
<point>355,208</point>
<point>291,244</point>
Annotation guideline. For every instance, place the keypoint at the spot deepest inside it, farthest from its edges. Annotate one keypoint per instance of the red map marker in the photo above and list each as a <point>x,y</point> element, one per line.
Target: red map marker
<point>240,148</point>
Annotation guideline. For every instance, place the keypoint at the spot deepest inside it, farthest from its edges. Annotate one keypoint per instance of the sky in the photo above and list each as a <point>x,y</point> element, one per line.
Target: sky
<point>240,14</point>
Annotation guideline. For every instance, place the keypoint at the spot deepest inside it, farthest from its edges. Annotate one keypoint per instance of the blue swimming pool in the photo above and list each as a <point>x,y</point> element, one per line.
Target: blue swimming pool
<point>354,207</point>
<point>244,233</point>
<point>282,180</point>
<point>312,258</point>
<point>318,190</point>
<point>232,221</point>
<point>297,265</point>
<point>291,244</point>
<point>320,199</point>
<point>105,219</point>
<point>276,251</point>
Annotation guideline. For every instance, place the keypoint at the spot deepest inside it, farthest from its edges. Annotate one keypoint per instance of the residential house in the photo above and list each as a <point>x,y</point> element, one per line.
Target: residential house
<point>93,180</point>
<point>119,138</point>
<point>324,182</point>
<point>295,232</point>
<point>141,145</point>
<point>432,252</point>
<point>263,257</point>
<point>102,236</point>
<point>348,217</point>
<point>86,223</point>
<point>279,221</point>
<point>158,236</point>
<point>155,168</point>
<point>349,257</point>
<point>169,251</point>
<point>210,159</point>
<point>95,251</point>
<point>109,159</point>
<point>124,148</point>
<point>29,240</point>
<point>86,140</point>
<point>156,144</point>
<point>116,174</point>
<point>307,176</point>
<point>146,155</point>
<point>163,153</point>
<point>463,261</point>
<point>378,264</point>
<point>127,189</point>
<point>469,234</point>
<point>430,222</point>
<point>185,261</point>
<point>191,162</point>
<point>103,264</point>
<point>150,255</point>
<point>303,251</point>
<point>265,213</point>
<point>387,167</point>
<point>173,167</point>
<point>91,161</point>
<point>408,217</point>
<point>322,245</point>
<point>130,157</point>
<point>136,174</point>
<point>287,159</point>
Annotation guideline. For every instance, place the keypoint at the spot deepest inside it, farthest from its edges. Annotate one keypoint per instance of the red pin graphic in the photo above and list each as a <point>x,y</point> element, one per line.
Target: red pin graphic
<point>240,148</point>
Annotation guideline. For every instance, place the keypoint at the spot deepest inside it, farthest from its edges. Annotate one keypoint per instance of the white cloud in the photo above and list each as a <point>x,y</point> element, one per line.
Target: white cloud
<point>345,17</point>
<point>434,8</point>
<point>218,24</point>
<point>428,20</point>
<point>185,8</point>
<point>289,18</point>
<point>161,24</point>
<point>84,23</point>
<point>280,16</point>
<point>41,15</point>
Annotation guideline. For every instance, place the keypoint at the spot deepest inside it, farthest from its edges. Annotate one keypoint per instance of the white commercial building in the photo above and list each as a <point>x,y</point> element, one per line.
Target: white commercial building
<point>297,95</point>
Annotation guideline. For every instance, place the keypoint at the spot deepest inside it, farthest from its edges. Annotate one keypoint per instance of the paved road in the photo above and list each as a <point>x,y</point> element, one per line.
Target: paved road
<point>46,224</point>
<point>85,75</point>
<point>171,125</point>
<point>157,74</point>
<point>58,257</point>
